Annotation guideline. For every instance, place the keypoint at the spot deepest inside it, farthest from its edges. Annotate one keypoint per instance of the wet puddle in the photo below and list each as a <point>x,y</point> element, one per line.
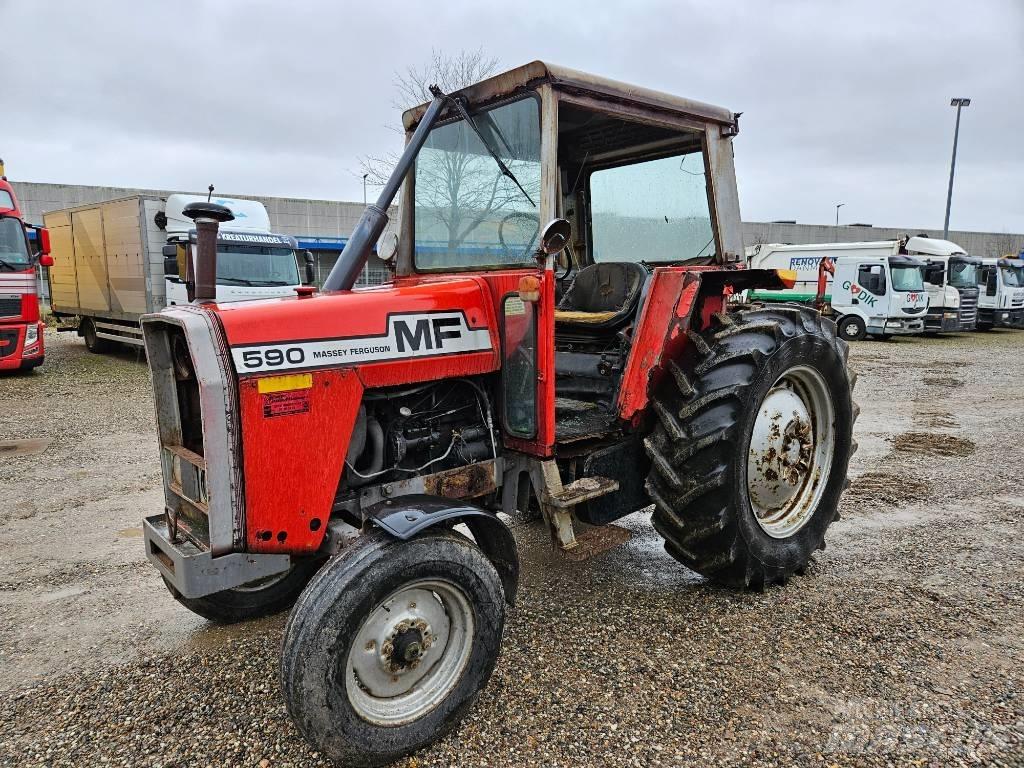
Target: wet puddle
<point>932,444</point>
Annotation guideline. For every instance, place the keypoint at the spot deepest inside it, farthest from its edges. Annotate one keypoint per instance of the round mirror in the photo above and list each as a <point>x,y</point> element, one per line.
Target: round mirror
<point>387,246</point>
<point>555,236</point>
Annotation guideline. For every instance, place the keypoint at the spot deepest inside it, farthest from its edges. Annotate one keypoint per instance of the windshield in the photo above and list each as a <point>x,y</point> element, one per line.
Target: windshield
<point>256,265</point>
<point>13,247</point>
<point>1013,277</point>
<point>963,274</point>
<point>468,214</point>
<point>653,211</point>
<point>907,279</point>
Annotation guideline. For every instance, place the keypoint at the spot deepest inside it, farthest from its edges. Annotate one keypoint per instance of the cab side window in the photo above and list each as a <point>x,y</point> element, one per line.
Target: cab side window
<point>872,279</point>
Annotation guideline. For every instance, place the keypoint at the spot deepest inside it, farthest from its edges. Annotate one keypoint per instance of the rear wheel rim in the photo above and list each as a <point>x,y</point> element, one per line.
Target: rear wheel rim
<point>792,448</point>
<point>410,652</point>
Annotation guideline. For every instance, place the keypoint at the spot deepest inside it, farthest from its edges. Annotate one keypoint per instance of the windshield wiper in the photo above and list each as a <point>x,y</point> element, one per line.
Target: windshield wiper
<point>235,280</point>
<point>5,263</point>
<point>461,109</point>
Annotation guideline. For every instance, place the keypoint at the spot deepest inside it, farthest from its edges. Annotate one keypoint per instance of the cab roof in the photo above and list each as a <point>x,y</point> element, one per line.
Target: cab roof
<point>535,73</point>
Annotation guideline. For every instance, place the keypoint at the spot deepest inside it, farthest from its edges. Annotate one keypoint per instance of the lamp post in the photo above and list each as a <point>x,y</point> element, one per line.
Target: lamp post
<point>959,104</point>
<point>838,206</point>
<point>364,187</point>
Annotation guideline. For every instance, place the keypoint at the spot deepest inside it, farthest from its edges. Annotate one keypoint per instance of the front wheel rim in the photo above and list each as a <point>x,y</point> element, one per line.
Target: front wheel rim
<point>410,652</point>
<point>852,330</point>
<point>792,448</point>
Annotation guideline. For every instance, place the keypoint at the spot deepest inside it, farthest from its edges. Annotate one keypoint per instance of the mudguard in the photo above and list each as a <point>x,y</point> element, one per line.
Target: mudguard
<point>406,516</point>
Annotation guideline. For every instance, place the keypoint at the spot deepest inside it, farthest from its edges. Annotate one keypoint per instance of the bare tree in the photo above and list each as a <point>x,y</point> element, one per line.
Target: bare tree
<point>412,87</point>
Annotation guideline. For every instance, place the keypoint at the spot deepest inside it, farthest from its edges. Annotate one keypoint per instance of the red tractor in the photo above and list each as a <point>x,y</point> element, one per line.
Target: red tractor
<point>349,451</point>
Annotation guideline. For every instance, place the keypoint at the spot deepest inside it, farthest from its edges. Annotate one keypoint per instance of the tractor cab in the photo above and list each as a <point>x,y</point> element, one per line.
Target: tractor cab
<point>645,181</point>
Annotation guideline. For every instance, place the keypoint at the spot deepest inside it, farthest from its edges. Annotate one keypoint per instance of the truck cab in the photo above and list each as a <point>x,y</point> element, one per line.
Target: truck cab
<point>252,261</point>
<point>21,329</point>
<point>1001,293</point>
<point>875,290</point>
<point>883,294</point>
<point>950,277</point>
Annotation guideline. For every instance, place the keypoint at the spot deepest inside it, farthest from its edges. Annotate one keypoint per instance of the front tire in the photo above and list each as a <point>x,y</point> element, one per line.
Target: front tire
<point>851,328</point>
<point>252,601</point>
<point>751,447</point>
<point>390,645</point>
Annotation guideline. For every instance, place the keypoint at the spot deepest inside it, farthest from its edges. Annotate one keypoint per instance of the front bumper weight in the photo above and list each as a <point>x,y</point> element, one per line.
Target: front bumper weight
<point>195,572</point>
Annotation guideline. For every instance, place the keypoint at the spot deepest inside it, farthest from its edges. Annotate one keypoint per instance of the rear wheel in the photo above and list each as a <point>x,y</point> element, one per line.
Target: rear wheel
<point>93,342</point>
<point>251,601</point>
<point>851,328</point>
<point>389,646</point>
<point>751,447</point>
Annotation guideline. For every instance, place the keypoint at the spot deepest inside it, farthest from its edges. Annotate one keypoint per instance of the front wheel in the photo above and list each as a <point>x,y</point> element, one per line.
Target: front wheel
<point>750,450</point>
<point>851,328</point>
<point>252,601</point>
<point>389,646</point>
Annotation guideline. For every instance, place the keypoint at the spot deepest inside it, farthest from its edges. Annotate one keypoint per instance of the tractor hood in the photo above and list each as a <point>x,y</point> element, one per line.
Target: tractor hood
<point>386,329</point>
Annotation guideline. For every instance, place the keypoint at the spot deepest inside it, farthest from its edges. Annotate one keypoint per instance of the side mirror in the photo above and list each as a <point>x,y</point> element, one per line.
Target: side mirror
<point>43,235</point>
<point>46,260</point>
<point>387,247</point>
<point>171,266</point>
<point>555,237</point>
<point>990,284</point>
<point>310,263</point>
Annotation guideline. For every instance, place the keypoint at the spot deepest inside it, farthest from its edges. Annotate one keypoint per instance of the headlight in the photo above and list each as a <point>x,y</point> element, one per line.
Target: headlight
<point>31,335</point>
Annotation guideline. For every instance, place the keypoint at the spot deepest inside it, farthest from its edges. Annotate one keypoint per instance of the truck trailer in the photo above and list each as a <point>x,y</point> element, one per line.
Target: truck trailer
<point>1001,294</point>
<point>117,260</point>
<point>876,290</point>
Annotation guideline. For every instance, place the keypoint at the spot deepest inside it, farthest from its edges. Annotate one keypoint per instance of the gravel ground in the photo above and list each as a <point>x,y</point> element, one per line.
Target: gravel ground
<point>903,644</point>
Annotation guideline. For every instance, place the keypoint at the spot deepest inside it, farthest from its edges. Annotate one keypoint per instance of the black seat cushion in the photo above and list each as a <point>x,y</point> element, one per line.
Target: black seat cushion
<point>606,287</point>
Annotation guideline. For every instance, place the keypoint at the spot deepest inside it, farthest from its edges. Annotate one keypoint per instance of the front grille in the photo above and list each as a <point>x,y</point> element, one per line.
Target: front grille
<point>913,310</point>
<point>968,307</point>
<point>10,307</point>
<point>8,341</point>
<point>1017,302</point>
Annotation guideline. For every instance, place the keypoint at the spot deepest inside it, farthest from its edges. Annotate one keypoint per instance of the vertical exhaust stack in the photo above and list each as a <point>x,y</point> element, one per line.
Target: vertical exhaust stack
<point>202,283</point>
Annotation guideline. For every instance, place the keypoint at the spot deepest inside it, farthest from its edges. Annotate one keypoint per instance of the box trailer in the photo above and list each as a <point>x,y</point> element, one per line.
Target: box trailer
<point>118,260</point>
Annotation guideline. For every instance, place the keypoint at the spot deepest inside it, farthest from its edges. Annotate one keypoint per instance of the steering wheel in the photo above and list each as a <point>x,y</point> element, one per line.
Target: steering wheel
<point>519,224</point>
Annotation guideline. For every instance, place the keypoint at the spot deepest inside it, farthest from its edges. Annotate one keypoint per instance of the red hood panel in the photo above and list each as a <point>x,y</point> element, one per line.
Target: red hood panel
<point>392,325</point>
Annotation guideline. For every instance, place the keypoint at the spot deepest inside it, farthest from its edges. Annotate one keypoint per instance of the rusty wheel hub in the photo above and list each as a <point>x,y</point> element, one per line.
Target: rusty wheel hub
<point>791,452</point>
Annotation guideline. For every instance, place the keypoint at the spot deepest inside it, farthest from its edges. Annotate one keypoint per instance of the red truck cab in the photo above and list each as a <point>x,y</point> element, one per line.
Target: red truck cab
<point>21,329</point>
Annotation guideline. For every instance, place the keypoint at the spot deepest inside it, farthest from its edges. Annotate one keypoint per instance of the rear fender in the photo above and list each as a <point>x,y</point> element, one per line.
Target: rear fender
<point>406,516</point>
<point>675,293</point>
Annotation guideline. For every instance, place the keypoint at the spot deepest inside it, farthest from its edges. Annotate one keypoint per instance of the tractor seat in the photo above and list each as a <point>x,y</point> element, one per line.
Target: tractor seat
<point>602,295</point>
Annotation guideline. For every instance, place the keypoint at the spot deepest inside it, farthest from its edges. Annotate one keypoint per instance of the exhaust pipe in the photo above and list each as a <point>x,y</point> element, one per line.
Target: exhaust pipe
<point>202,282</point>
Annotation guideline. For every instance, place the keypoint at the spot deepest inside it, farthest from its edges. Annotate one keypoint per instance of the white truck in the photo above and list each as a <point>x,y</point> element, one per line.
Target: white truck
<point>951,277</point>
<point>876,290</point>
<point>117,260</point>
<point>1001,293</point>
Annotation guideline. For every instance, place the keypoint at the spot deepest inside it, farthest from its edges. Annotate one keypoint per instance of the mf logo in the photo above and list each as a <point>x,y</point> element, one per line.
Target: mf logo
<point>861,294</point>
<point>426,333</point>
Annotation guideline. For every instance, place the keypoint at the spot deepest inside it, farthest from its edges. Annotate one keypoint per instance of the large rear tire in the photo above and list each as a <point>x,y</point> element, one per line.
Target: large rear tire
<point>252,601</point>
<point>390,645</point>
<point>750,450</point>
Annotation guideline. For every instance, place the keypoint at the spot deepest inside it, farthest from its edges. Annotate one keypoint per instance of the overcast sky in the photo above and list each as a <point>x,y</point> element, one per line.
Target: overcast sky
<point>842,101</point>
